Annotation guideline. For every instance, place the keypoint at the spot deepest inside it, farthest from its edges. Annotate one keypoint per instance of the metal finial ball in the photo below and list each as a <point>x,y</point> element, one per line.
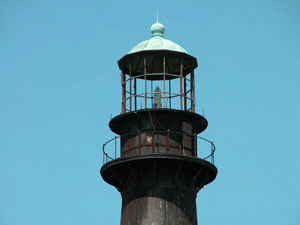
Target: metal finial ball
<point>157,29</point>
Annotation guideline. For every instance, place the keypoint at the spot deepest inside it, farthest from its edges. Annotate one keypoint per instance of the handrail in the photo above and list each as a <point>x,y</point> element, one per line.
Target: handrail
<point>109,156</point>
<point>213,149</point>
<point>105,153</point>
<point>155,74</point>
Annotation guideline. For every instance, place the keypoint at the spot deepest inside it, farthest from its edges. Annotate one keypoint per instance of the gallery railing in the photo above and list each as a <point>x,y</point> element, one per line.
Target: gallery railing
<point>158,142</point>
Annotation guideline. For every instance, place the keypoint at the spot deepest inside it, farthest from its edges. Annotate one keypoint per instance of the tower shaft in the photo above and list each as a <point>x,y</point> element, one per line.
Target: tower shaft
<point>158,189</point>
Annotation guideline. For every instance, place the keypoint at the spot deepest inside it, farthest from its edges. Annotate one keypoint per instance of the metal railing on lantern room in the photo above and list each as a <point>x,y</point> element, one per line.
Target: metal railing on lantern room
<point>203,148</point>
<point>173,92</point>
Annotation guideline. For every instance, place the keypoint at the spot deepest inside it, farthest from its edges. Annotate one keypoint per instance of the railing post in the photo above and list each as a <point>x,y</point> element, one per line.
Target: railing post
<point>130,100</point>
<point>192,92</point>
<point>185,95</point>
<point>164,71</point>
<point>121,146</point>
<point>135,102</point>
<point>103,153</point>
<point>123,92</point>
<point>130,94</point>
<point>170,105</point>
<point>212,153</point>
<point>181,75</point>
<point>145,78</point>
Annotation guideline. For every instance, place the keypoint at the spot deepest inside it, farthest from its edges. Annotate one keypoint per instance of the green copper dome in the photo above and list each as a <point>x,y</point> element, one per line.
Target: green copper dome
<point>157,41</point>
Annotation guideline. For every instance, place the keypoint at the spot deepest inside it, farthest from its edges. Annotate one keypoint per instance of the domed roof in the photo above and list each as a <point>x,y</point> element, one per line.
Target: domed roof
<point>157,41</point>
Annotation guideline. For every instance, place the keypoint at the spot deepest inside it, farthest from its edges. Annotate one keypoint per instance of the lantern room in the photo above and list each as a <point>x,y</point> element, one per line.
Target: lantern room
<point>157,73</point>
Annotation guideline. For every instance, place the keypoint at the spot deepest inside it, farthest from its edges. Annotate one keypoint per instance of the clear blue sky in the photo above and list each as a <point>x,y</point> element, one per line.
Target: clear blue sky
<point>59,83</point>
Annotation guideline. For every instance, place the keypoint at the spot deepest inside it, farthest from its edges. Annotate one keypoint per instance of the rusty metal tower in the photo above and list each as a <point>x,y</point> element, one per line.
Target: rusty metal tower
<point>161,164</point>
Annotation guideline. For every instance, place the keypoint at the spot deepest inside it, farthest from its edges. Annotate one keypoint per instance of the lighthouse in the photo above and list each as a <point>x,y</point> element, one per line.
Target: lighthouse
<point>155,161</point>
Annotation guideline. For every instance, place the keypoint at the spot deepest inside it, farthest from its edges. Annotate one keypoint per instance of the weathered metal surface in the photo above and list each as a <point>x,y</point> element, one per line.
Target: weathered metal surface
<point>163,120</point>
<point>161,206</point>
<point>157,42</point>
<point>158,189</point>
<point>155,61</point>
<point>157,142</point>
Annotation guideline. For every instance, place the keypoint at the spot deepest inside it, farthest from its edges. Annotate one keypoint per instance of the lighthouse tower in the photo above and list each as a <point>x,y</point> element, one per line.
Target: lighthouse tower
<point>155,162</point>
